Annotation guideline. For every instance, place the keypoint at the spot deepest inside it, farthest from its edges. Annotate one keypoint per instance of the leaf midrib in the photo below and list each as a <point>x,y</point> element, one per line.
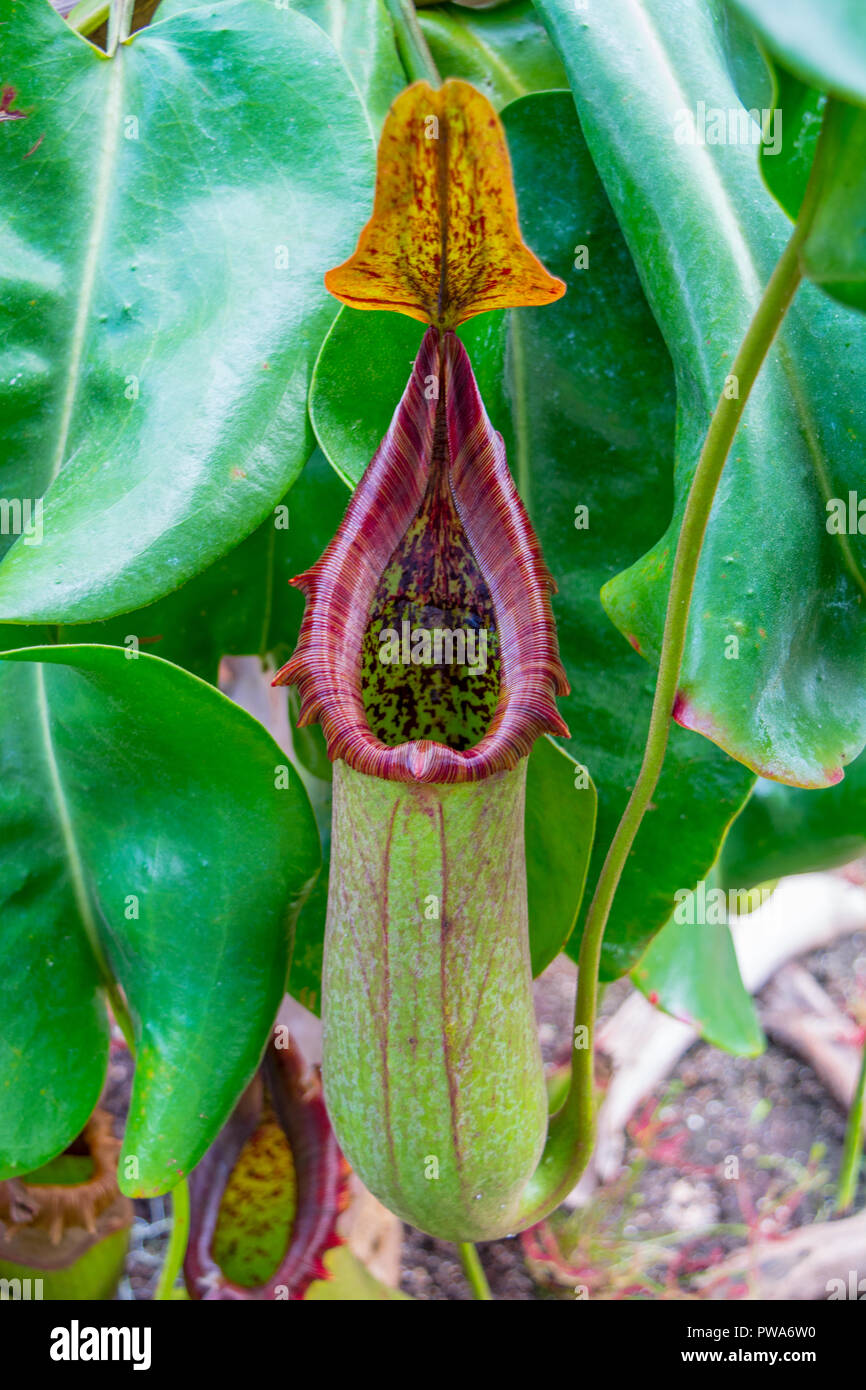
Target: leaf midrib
<point>74,859</point>
<point>718,195</point>
<point>93,247</point>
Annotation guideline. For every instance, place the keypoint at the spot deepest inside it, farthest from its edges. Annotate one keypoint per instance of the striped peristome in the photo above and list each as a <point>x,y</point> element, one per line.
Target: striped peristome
<point>341,587</point>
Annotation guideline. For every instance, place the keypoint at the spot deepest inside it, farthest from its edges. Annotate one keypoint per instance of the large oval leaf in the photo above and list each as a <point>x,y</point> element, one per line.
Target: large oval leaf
<point>786,830</point>
<point>834,252</point>
<point>786,172</point>
<point>149,835</point>
<point>582,392</point>
<point>158,337</point>
<point>242,604</point>
<point>823,41</point>
<point>363,35</point>
<point>777,638</point>
<point>561,804</point>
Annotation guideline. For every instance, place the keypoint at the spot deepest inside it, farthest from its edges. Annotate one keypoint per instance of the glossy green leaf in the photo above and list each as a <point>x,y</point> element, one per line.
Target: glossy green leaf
<point>786,830</point>
<point>358,380</point>
<point>561,807</point>
<point>149,836</point>
<point>241,605</point>
<point>787,172</point>
<point>777,637</point>
<point>834,253</point>
<point>822,41</point>
<point>690,971</point>
<point>308,743</point>
<point>505,53</point>
<point>305,975</point>
<point>158,337</point>
<point>764,87</point>
<point>363,35</point>
<point>749,68</point>
<point>582,392</point>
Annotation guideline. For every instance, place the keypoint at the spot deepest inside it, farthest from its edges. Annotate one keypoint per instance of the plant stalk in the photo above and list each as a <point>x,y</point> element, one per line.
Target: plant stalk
<point>474,1271</point>
<point>572,1130</point>
<point>88,15</point>
<point>177,1242</point>
<point>119,24</point>
<point>412,46</point>
<point>852,1153</point>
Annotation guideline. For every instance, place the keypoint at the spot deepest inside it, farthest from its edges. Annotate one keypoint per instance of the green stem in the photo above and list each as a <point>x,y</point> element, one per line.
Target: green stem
<point>87,15</point>
<point>411,43</point>
<point>572,1130</point>
<point>852,1154</point>
<point>475,1276</point>
<point>177,1242</point>
<point>119,24</point>
<point>121,1014</point>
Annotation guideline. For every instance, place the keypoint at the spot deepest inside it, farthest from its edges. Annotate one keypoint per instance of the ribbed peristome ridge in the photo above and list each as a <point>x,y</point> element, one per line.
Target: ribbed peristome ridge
<point>341,586</point>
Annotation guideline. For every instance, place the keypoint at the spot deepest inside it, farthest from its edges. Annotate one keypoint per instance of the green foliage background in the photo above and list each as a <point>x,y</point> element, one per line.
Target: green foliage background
<point>190,407</point>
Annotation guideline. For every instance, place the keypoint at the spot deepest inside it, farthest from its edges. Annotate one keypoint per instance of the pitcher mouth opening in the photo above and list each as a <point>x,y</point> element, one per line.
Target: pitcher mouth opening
<point>428,650</point>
